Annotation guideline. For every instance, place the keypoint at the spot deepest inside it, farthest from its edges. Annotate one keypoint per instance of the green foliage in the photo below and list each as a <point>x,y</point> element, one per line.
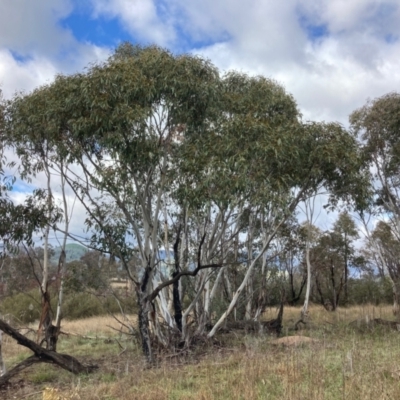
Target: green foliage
<point>24,307</point>
<point>370,290</point>
<point>157,136</point>
<point>84,305</point>
<point>377,126</point>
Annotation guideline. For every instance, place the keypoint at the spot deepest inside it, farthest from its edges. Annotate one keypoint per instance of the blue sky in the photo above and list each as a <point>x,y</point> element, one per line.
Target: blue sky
<point>100,31</point>
<point>332,55</point>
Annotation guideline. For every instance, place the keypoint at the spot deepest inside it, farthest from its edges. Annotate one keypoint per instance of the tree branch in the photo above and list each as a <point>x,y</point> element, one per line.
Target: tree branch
<point>155,292</point>
<point>65,361</point>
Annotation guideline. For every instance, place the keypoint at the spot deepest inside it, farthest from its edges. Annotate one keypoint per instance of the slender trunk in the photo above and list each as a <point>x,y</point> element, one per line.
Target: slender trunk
<point>62,261</point>
<point>319,290</point>
<point>45,277</point>
<point>60,291</point>
<point>262,298</point>
<point>203,314</point>
<point>46,317</point>
<point>175,287</point>
<point>304,310</point>
<point>228,285</point>
<point>62,268</point>
<point>249,286</point>
<point>2,364</point>
<point>346,271</point>
<point>333,287</point>
<point>292,289</point>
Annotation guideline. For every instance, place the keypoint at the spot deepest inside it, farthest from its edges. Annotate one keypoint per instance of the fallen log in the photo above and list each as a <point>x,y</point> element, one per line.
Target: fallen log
<point>41,354</point>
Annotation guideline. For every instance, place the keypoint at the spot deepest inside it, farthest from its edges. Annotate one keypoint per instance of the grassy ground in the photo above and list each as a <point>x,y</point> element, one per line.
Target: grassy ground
<point>342,362</point>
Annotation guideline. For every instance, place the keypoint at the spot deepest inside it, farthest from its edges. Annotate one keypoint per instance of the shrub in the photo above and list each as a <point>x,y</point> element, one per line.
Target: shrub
<point>83,305</point>
<point>25,307</point>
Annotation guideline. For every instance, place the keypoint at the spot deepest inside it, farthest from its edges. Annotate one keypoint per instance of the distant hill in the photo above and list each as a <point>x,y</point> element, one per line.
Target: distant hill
<point>73,252</point>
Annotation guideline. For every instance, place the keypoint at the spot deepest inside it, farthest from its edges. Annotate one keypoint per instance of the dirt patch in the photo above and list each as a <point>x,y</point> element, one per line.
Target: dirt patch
<point>293,341</point>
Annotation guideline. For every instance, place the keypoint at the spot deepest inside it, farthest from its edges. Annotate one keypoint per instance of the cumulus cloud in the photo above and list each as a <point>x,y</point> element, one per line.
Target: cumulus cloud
<point>17,76</point>
<point>142,18</point>
<point>30,27</point>
<point>34,47</point>
<point>331,55</point>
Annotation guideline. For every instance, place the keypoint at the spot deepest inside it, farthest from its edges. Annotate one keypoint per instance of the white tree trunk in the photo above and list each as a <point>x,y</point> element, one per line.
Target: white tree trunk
<point>242,286</point>
<point>249,286</point>
<point>304,311</point>
<point>2,364</point>
<point>62,261</point>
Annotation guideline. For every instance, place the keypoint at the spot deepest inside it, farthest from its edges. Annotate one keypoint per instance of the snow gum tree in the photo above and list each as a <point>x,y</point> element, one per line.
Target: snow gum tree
<point>186,176</point>
<point>377,127</point>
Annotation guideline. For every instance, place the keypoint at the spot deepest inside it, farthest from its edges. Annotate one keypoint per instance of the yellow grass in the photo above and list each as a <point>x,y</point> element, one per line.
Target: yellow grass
<point>318,314</point>
<point>100,325</point>
<point>120,284</point>
<point>339,363</point>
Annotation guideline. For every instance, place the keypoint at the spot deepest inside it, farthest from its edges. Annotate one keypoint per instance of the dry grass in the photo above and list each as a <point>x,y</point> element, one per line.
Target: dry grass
<point>319,315</point>
<point>340,363</point>
<point>100,325</point>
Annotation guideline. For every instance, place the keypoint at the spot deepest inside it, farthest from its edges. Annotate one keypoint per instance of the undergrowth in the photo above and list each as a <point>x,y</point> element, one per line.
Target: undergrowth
<point>340,363</point>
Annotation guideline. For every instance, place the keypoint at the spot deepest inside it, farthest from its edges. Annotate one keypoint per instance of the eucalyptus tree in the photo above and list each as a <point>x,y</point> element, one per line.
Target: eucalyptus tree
<point>237,170</point>
<point>377,126</point>
<point>160,150</point>
<point>121,124</point>
<point>346,230</point>
<point>18,224</point>
<point>35,145</point>
<point>311,235</point>
<point>384,250</point>
<point>289,244</point>
<point>332,256</point>
<point>328,270</point>
<point>286,162</point>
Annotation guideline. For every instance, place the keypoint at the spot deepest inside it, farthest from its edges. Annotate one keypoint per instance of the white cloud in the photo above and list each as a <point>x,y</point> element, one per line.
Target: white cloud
<point>357,55</point>
<point>329,76</point>
<point>374,17</point>
<point>140,17</point>
<point>355,58</point>
<point>34,47</point>
<point>30,27</point>
<point>16,76</point>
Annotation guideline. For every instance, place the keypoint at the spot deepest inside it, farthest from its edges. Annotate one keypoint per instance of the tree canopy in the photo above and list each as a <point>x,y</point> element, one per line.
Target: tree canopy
<point>163,151</point>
